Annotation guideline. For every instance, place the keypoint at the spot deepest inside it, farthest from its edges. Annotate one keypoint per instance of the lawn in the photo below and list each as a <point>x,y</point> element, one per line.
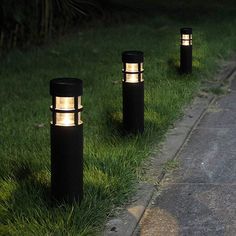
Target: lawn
<point>111,160</point>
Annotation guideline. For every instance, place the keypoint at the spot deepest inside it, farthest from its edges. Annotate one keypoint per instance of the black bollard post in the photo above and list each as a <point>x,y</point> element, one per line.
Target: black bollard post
<point>66,140</point>
<point>133,91</point>
<point>186,50</point>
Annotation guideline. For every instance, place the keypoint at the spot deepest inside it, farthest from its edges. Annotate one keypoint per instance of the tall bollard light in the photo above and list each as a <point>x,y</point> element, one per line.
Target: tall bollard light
<point>133,91</point>
<point>66,140</point>
<point>186,50</point>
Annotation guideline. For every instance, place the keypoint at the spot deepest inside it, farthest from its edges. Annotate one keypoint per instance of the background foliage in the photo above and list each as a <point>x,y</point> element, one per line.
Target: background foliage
<point>22,22</point>
<point>35,21</point>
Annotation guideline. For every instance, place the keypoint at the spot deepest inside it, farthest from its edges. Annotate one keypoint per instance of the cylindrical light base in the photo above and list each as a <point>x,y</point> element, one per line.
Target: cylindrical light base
<point>133,107</point>
<point>186,59</point>
<point>67,163</point>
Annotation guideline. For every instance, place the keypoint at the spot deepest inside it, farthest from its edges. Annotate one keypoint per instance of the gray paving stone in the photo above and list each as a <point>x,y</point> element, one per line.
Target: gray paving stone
<point>233,85</point>
<point>222,113</point>
<point>233,82</point>
<point>192,209</point>
<point>209,156</point>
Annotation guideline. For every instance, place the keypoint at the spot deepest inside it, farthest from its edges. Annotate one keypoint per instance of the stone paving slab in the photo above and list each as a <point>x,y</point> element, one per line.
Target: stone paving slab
<point>207,158</point>
<point>191,209</point>
<point>233,85</point>
<point>219,118</point>
<point>221,114</point>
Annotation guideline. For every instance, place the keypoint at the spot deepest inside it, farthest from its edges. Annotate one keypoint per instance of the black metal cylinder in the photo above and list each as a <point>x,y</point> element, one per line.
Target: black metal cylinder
<point>67,163</point>
<point>66,145</point>
<point>133,107</point>
<point>186,52</point>
<point>133,91</point>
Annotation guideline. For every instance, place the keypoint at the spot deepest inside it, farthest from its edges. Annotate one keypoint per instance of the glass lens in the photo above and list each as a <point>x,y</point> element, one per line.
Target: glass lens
<point>65,119</point>
<point>64,103</point>
<point>133,78</point>
<point>186,39</point>
<point>133,67</point>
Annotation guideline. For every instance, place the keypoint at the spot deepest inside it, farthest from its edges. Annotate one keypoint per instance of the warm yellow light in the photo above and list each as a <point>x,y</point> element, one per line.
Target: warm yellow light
<point>133,78</point>
<point>67,103</point>
<point>65,119</point>
<point>186,39</point>
<point>133,67</point>
<point>185,36</point>
<point>79,103</point>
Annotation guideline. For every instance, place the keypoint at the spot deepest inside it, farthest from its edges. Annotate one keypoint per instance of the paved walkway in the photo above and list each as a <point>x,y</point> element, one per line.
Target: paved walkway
<point>199,197</point>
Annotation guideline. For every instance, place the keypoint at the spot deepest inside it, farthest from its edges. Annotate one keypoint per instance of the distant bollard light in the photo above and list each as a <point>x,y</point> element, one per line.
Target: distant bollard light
<point>186,50</point>
<point>66,140</point>
<point>133,91</point>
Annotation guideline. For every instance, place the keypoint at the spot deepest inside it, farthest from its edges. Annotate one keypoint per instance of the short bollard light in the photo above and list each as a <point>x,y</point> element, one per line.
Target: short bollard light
<point>66,140</point>
<point>186,50</point>
<point>133,91</point>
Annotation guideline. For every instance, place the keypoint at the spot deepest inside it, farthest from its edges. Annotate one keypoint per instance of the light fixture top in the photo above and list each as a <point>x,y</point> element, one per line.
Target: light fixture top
<point>132,57</point>
<point>66,87</point>
<point>186,30</point>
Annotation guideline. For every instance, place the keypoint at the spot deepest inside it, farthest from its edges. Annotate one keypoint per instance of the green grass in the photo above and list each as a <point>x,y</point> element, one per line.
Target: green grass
<point>112,161</point>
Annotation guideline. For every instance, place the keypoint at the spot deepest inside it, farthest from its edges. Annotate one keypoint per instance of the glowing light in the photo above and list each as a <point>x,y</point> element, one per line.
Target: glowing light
<point>67,104</point>
<point>186,39</point>
<point>66,135</point>
<point>133,69</point>
<point>65,119</point>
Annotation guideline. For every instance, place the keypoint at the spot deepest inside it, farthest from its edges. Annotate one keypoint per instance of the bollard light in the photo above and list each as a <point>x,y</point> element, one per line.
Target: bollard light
<point>66,140</point>
<point>186,50</point>
<point>133,91</point>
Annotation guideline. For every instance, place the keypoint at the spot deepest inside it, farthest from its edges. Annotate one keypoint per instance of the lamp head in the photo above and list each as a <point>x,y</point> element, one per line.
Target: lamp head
<point>133,66</point>
<point>186,36</point>
<point>66,99</point>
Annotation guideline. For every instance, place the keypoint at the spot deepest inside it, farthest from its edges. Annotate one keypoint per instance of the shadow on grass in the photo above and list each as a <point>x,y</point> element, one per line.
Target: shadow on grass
<point>114,123</point>
<point>173,66</point>
<point>174,69</point>
<point>21,171</point>
<point>33,186</point>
